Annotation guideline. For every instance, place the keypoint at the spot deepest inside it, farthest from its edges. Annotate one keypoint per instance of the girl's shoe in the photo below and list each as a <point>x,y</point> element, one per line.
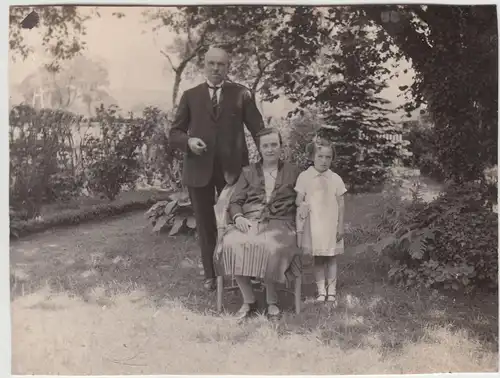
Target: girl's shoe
<point>320,298</point>
<point>332,298</point>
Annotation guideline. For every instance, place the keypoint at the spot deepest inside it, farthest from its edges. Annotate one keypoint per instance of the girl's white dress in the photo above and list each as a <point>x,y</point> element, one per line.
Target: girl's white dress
<point>319,228</point>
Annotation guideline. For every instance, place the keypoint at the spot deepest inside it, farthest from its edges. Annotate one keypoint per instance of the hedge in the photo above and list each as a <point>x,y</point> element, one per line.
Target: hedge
<point>21,228</point>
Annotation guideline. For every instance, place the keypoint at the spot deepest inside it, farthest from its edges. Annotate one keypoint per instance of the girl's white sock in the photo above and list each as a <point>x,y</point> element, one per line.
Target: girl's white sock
<point>332,286</point>
<point>321,287</point>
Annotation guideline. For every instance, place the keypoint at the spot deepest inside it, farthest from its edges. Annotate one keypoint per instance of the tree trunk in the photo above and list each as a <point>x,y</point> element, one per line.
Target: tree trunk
<point>177,83</point>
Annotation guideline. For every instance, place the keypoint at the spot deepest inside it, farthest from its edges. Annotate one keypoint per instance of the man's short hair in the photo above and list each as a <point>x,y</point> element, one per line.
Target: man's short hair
<point>218,47</point>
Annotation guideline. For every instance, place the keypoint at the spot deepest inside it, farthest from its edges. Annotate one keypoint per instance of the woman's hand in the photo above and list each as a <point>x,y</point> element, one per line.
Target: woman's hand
<point>242,224</point>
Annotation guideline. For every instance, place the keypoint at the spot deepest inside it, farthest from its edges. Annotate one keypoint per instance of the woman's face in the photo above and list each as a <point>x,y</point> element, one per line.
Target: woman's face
<point>270,147</point>
<point>323,158</point>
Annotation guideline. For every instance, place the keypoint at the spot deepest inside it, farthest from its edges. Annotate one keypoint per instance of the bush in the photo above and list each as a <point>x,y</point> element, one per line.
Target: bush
<point>175,214</point>
<point>422,145</point>
<point>20,228</point>
<point>46,164</point>
<point>450,243</point>
<point>40,149</point>
<point>63,186</point>
<point>112,159</point>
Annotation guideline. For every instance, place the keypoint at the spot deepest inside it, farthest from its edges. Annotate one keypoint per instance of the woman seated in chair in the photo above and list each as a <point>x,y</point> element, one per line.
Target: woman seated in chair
<point>261,240</point>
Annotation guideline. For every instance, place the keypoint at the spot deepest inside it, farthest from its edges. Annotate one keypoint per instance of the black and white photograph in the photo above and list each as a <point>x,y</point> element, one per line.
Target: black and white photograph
<point>252,189</point>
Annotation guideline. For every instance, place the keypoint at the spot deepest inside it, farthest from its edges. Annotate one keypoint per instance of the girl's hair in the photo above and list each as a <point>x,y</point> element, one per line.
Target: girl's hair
<point>267,131</point>
<point>312,148</point>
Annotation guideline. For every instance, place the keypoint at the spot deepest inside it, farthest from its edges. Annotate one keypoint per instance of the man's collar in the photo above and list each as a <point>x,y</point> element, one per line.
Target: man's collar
<point>212,85</point>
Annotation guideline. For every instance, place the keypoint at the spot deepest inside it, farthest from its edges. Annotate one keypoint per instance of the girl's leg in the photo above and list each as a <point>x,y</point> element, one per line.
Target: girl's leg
<point>319,276</point>
<point>331,276</point>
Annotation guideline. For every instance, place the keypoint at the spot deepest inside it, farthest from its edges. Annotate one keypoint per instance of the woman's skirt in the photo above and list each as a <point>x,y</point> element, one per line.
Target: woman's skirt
<point>268,251</point>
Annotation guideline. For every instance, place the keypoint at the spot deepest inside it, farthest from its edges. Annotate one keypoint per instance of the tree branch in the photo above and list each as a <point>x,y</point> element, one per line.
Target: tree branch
<point>403,34</point>
<point>169,60</point>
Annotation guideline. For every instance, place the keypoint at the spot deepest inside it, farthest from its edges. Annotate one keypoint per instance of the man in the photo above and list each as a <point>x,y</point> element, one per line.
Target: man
<point>208,128</point>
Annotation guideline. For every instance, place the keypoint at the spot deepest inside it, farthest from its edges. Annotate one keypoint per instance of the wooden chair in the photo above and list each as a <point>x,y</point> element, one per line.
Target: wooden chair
<point>222,217</point>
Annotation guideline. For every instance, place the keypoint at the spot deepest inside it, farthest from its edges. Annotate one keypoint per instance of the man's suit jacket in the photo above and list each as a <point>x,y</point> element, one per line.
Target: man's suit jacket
<point>223,134</point>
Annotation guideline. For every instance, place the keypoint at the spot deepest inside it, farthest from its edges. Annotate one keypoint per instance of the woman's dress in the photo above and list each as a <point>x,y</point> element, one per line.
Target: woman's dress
<point>268,251</point>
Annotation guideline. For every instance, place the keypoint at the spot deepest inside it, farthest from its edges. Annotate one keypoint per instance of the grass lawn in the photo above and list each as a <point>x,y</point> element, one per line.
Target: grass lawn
<point>113,298</point>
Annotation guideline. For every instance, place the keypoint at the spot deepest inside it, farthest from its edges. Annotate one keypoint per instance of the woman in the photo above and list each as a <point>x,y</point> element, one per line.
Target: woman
<point>261,240</point>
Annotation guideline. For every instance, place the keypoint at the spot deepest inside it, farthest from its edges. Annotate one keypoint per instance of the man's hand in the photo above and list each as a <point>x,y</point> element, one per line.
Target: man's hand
<point>242,224</point>
<point>197,145</point>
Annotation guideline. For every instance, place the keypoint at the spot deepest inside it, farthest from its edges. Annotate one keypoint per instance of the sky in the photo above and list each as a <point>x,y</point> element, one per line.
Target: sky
<point>137,70</point>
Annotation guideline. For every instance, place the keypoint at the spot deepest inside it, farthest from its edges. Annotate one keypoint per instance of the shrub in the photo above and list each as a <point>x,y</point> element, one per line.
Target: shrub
<point>112,159</point>
<point>19,228</point>
<point>16,223</point>
<point>450,243</point>
<point>63,186</point>
<point>175,214</point>
<point>422,145</point>
<point>40,147</point>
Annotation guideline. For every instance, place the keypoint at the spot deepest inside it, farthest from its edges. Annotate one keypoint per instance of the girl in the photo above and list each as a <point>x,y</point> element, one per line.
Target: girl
<point>320,217</point>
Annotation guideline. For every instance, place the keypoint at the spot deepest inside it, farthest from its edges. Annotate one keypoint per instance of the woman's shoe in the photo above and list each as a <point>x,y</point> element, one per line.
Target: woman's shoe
<point>209,284</point>
<point>247,310</point>
<point>273,312</point>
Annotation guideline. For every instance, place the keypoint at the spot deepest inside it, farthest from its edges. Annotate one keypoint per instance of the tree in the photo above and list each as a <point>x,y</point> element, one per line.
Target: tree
<point>454,51</point>
<point>61,28</point>
<point>78,79</point>
<point>195,33</point>
<point>343,85</point>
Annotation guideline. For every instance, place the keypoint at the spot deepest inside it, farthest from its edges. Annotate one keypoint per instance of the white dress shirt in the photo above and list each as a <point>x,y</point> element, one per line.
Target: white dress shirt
<point>211,91</point>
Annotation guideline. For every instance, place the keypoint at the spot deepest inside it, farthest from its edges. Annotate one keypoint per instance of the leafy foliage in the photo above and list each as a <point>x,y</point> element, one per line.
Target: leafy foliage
<point>361,169</point>
<point>21,227</point>
<point>47,165</point>
<point>462,97</point>
<point>422,145</point>
<point>15,223</point>
<point>61,28</point>
<point>175,214</point>
<point>40,155</point>
<point>112,159</point>
<point>450,243</point>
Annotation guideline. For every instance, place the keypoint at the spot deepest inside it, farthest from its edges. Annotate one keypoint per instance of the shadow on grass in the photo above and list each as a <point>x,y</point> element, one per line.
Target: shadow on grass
<point>122,254</point>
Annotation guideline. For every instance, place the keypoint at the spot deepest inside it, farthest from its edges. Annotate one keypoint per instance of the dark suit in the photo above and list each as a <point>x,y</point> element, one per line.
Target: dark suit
<point>226,153</point>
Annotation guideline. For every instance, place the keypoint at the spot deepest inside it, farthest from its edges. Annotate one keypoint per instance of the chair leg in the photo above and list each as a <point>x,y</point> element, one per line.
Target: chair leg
<point>220,289</point>
<point>298,293</point>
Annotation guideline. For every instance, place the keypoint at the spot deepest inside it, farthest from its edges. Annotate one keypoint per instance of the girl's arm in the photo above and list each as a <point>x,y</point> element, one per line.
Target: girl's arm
<point>341,205</point>
<point>300,190</point>
<point>300,198</point>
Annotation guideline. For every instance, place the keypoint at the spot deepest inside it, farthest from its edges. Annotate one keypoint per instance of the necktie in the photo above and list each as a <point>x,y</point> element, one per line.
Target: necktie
<point>215,103</point>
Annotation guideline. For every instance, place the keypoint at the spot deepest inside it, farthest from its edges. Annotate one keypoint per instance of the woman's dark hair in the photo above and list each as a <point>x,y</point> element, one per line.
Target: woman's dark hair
<point>312,148</point>
<point>267,131</point>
